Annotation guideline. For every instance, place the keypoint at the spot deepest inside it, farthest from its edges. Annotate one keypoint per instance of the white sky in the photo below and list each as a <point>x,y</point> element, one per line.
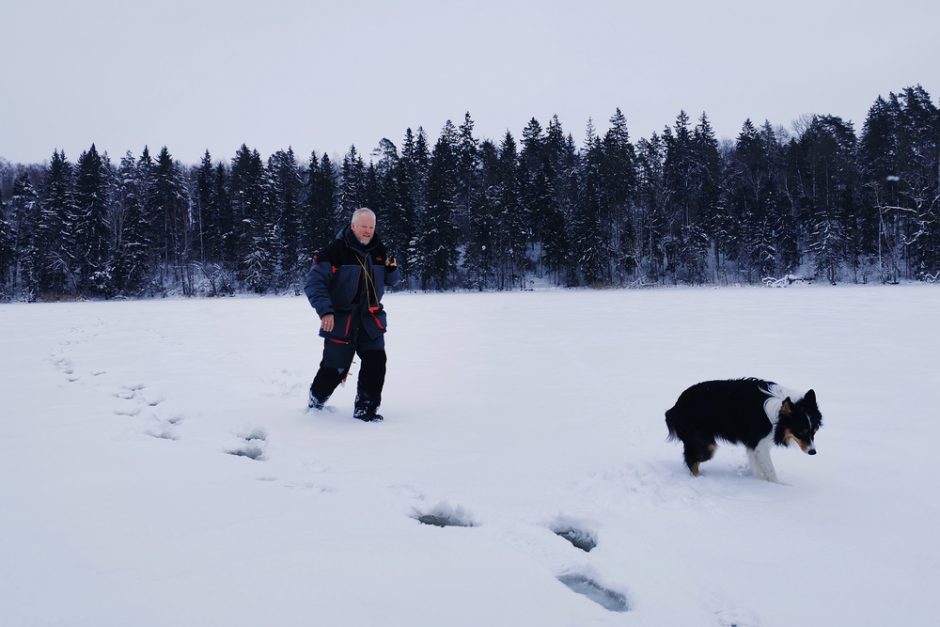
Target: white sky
<point>321,76</point>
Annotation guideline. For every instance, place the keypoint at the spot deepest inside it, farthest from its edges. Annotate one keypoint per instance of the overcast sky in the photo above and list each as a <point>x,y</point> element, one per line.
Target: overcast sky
<point>320,76</point>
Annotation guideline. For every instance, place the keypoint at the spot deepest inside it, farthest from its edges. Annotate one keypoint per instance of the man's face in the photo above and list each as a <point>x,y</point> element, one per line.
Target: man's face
<point>363,227</point>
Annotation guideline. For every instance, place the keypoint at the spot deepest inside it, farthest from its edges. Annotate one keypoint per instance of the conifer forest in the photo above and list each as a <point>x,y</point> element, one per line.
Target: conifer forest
<point>819,202</point>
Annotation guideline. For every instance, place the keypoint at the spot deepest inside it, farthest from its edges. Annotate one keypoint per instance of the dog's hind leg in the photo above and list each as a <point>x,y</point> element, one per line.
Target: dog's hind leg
<point>698,448</point>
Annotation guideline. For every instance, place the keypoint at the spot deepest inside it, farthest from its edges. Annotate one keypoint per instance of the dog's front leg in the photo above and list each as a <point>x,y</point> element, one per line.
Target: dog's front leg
<point>756,468</point>
<point>761,462</point>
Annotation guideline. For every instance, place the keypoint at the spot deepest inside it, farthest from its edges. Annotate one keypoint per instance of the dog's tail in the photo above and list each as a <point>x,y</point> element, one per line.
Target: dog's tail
<point>671,424</point>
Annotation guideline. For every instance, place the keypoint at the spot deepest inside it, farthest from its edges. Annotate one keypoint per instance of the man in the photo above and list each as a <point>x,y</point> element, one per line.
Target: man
<point>345,286</point>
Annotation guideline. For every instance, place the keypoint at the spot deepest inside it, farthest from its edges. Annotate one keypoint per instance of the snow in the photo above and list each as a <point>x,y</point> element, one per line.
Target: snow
<point>159,466</point>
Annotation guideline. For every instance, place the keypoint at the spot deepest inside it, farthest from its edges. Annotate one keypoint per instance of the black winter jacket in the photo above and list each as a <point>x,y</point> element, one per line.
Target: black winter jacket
<point>348,280</point>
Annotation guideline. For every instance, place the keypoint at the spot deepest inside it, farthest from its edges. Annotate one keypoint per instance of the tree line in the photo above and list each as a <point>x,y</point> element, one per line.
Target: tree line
<point>819,203</point>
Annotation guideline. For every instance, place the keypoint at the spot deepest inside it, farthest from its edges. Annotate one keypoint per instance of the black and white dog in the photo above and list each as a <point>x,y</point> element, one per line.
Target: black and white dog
<point>753,412</point>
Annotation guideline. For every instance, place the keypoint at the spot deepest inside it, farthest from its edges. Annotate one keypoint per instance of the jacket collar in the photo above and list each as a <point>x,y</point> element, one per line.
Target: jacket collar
<point>350,239</point>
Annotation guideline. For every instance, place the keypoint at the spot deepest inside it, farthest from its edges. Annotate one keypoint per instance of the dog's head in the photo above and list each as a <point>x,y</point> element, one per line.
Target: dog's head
<point>799,421</point>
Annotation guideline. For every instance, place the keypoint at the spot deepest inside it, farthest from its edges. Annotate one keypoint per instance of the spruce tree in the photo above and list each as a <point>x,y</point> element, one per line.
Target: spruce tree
<point>618,172</point>
<point>589,244</point>
<point>223,232</point>
<point>400,231</point>
<point>7,253</point>
<point>437,237</point>
<point>651,204</point>
<point>707,187</point>
<point>130,260</point>
<point>918,139</point>
<point>468,164</point>
<point>563,178</point>
<point>319,223</point>
<point>829,174</point>
<point>93,235</point>
<point>289,185</point>
<point>168,198</point>
<point>878,167</point>
<point>511,243</point>
<point>205,219</point>
<point>479,262</point>
<point>352,191</point>
<point>52,245</point>
<point>22,215</point>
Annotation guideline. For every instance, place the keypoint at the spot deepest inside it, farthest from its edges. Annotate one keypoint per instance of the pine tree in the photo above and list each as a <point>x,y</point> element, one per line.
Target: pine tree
<point>827,149</point>
<point>437,238</point>
<point>479,262</point>
<point>618,172</point>
<point>54,258</point>
<point>400,229</point>
<point>93,233</point>
<point>7,252</point>
<point>511,243</point>
<point>707,187</point>
<point>533,185</point>
<point>372,193</point>
<point>319,223</point>
<point>225,246</point>
<point>288,182</point>
<point>685,170</point>
<point>130,260</point>
<point>393,222</point>
<point>352,191</point>
<point>416,158</point>
<point>563,179</point>
<point>254,209</point>
<point>169,200</point>
<point>590,247</point>
<point>878,163</point>
<point>651,200</point>
<point>22,216</point>
<point>468,164</point>
<point>918,139</point>
<point>205,218</point>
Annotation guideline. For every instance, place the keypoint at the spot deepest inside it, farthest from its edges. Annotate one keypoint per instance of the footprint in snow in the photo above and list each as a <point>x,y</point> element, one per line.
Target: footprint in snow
<point>252,445</point>
<point>307,485</point>
<point>577,533</point>
<point>605,597</point>
<point>64,365</point>
<point>162,428</point>
<point>737,617</point>
<point>162,433</point>
<point>251,452</point>
<point>129,392</point>
<point>154,401</point>
<point>443,515</point>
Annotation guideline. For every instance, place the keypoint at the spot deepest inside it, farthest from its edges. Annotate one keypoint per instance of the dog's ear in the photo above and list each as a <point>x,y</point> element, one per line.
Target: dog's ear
<point>787,408</point>
<point>811,398</point>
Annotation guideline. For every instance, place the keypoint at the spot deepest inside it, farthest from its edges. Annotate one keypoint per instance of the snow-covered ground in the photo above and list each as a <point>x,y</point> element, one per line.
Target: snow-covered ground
<point>517,414</point>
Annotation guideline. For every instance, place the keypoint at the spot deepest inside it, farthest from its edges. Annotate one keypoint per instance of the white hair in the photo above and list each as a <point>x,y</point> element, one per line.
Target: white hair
<point>361,210</point>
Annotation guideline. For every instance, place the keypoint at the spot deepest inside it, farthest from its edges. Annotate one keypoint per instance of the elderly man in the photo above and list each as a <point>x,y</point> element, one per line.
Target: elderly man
<point>345,286</point>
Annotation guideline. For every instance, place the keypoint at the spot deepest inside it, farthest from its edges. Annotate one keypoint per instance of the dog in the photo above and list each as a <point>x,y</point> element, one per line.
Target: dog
<point>752,412</point>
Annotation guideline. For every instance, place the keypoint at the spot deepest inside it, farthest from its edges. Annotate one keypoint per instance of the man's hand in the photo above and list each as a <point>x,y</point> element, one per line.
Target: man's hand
<point>391,263</point>
<point>326,323</point>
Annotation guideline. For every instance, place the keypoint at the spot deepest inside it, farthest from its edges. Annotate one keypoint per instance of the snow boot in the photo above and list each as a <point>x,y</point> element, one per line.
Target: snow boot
<point>313,402</point>
<point>367,414</point>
